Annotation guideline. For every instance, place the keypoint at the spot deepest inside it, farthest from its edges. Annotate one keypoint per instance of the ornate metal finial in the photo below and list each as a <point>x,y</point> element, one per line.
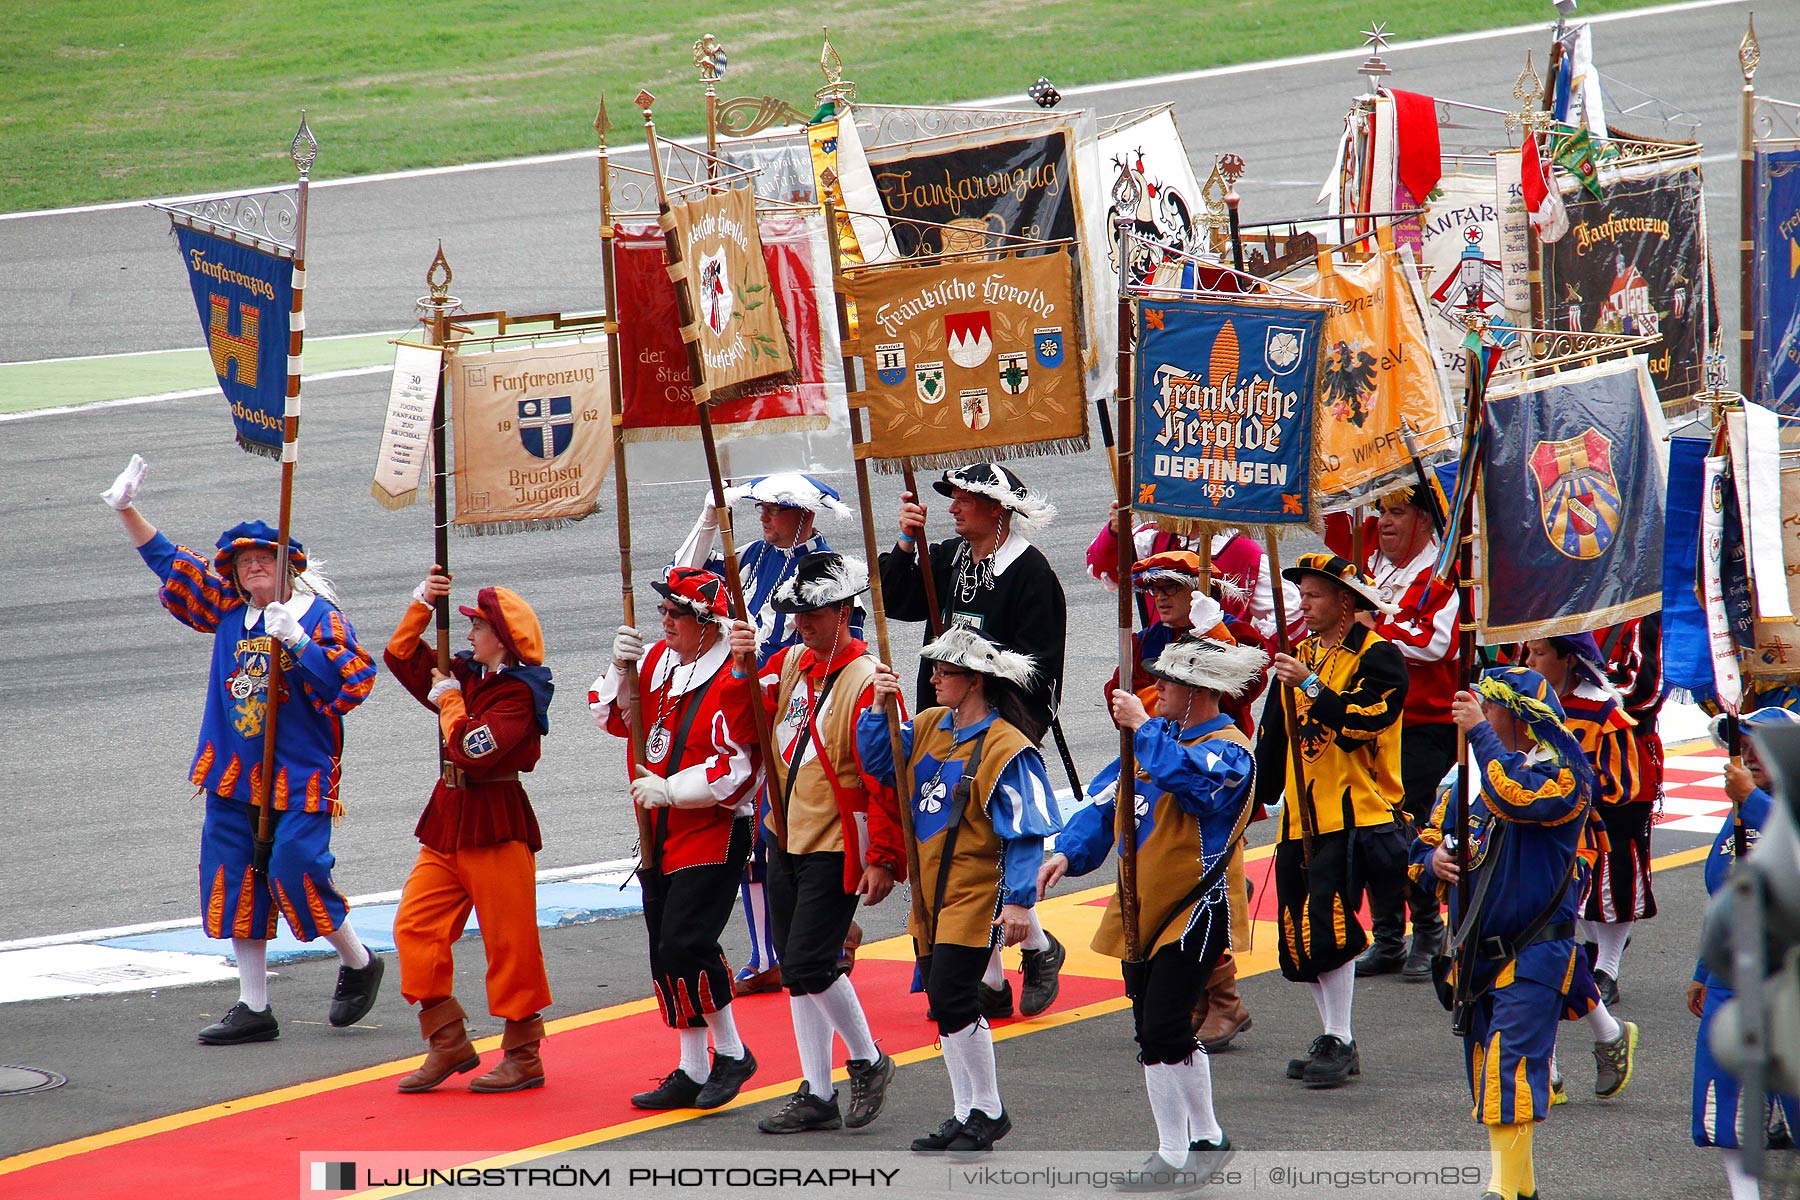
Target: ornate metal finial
<point>1749,51</point>
<point>1127,189</point>
<point>439,275</point>
<point>709,59</point>
<point>645,101</point>
<point>836,88</point>
<point>304,149</point>
<point>1231,167</point>
<point>1376,39</point>
<point>602,123</point>
<point>1528,90</point>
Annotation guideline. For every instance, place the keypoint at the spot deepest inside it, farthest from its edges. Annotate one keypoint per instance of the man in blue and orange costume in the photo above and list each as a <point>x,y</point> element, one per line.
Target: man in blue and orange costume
<point>1194,785</point>
<point>697,784</point>
<point>1526,821</point>
<point>478,836</point>
<point>237,598</point>
<point>1717,1120</point>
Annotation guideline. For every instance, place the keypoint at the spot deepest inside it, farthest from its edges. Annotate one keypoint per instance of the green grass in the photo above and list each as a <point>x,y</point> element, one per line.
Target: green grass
<point>134,98</point>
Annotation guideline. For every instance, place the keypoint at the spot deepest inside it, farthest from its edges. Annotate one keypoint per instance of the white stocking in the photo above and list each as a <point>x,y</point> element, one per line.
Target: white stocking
<point>252,956</point>
<point>843,1008</point>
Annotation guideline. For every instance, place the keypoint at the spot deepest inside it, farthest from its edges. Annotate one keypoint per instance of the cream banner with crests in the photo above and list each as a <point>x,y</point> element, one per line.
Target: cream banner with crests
<point>533,436</point>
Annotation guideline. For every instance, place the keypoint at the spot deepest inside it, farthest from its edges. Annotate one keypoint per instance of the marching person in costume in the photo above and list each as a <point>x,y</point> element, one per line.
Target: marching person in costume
<point>699,783</point>
<point>478,836</point>
<point>820,860</point>
<point>1170,578</point>
<point>1193,786</point>
<point>991,578</point>
<point>1619,893</point>
<point>1349,686</point>
<point>1526,821</point>
<point>788,506</point>
<point>1236,559</point>
<point>982,806</point>
<point>1716,1090</point>
<point>251,615</point>
<point>1424,628</point>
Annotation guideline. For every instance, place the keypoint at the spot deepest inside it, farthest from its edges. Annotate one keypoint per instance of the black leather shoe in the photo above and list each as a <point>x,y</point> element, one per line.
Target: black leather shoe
<point>1207,1158</point>
<point>1043,976</point>
<point>932,1142</point>
<point>1418,961</point>
<point>240,1025</point>
<point>1609,988</point>
<point>1157,1174</point>
<point>1296,1068</point>
<point>868,1089</point>
<point>356,992</point>
<point>727,1079</point>
<point>803,1113</point>
<point>1380,959</point>
<point>677,1090</point>
<point>995,1002</point>
<point>1335,1063</point>
<point>979,1133</point>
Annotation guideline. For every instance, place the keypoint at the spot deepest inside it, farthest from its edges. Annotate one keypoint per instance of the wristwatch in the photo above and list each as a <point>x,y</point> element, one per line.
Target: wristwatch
<point>1311,686</point>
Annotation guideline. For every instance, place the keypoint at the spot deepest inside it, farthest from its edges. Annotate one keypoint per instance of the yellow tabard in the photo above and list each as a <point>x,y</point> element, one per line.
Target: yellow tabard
<point>1353,782</point>
<point>1168,867</point>
<point>813,822</point>
<point>972,892</point>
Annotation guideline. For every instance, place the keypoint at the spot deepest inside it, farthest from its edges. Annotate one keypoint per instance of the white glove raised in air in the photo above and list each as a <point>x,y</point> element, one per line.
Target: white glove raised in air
<point>628,645</point>
<point>650,791</point>
<point>123,492</point>
<point>282,620</point>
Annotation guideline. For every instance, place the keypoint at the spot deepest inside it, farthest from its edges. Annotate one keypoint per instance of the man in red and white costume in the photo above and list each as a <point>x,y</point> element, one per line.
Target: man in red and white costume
<point>1236,560</point>
<point>699,782</point>
<point>1406,549</point>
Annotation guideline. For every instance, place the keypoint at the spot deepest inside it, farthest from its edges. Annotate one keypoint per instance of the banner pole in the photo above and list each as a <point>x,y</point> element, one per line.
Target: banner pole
<point>303,151</point>
<point>438,304</point>
<point>1126,192</point>
<point>1749,54</point>
<point>734,582</point>
<point>648,851</point>
<point>1302,800</point>
<point>903,781</point>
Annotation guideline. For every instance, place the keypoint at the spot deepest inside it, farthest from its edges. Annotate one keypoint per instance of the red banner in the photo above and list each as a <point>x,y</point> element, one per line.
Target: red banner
<point>653,365</point>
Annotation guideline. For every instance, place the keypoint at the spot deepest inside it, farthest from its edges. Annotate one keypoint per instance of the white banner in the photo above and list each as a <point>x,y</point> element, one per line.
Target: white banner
<point>1515,231</point>
<point>406,434</point>
<point>1712,591</point>
<point>1768,572</point>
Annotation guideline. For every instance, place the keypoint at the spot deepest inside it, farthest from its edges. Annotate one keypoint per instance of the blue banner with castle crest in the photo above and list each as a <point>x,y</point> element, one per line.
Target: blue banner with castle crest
<point>1572,486</point>
<point>1778,281</point>
<point>1224,413</point>
<point>245,298</point>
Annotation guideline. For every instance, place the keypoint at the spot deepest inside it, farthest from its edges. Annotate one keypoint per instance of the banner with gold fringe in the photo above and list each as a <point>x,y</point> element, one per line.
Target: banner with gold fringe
<point>736,323</point>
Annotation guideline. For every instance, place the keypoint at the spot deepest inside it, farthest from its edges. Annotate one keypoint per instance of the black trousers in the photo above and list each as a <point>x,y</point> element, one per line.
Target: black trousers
<point>1319,929</point>
<point>1164,990</point>
<point>952,974</point>
<point>809,916</point>
<point>685,912</point>
<point>1427,752</point>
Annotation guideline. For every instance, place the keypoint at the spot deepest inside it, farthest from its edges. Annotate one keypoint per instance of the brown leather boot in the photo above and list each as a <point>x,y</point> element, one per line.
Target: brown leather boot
<point>442,1025</point>
<point>1226,1016</point>
<point>520,1067</point>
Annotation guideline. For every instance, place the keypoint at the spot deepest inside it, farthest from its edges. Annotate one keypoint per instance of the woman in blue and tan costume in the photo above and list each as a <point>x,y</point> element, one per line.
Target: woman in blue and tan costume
<point>1195,771</point>
<point>1525,828</point>
<point>1716,1091</point>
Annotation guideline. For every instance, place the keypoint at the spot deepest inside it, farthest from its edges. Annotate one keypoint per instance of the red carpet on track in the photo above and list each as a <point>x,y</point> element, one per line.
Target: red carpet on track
<point>592,1072</point>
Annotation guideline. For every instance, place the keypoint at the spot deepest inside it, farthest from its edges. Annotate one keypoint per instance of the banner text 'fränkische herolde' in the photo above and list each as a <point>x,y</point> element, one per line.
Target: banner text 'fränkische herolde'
<point>1224,420</point>
<point>533,435</point>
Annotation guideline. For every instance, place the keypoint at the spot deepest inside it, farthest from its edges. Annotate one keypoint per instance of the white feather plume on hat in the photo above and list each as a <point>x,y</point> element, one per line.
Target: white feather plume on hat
<point>791,489</point>
<point>1031,510</point>
<point>809,588</point>
<point>960,646</point>
<point>1205,663</point>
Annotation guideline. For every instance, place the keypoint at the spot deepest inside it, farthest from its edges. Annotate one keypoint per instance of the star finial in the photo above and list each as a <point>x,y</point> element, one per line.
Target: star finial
<point>1376,38</point>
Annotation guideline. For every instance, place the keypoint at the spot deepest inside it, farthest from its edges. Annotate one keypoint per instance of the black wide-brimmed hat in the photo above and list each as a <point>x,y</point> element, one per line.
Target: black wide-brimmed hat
<point>1346,575</point>
<point>1002,486</point>
<point>820,580</point>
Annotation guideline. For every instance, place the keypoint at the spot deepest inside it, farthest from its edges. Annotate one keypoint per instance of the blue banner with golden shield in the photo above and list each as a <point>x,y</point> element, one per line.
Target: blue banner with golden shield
<point>245,298</point>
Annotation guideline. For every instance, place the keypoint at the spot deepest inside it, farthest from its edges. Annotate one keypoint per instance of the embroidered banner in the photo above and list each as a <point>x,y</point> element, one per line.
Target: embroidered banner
<point>406,434</point>
<point>737,324</point>
<point>1462,260</point>
<point>1635,262</point>
<point>968,361</point>
<point>653,369</point>
<point>1224,412</point>
<point>1778,280</point>
<point>533,436</point>
<point>979,185</point>
<point>1379,376</point>
<point>1572,486</point>
<point>841,175</point>
<point>245,299</point>
<point>1168,206</point>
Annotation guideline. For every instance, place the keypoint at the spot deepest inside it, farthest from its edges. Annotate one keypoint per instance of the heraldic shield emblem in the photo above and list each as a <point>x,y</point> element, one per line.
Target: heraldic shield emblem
<point>545,426</point>
<point>1578,497</point>
<point>715,292</point>
<point>928,378</point>
<point>890,363</point>
<point>1049,346</point>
